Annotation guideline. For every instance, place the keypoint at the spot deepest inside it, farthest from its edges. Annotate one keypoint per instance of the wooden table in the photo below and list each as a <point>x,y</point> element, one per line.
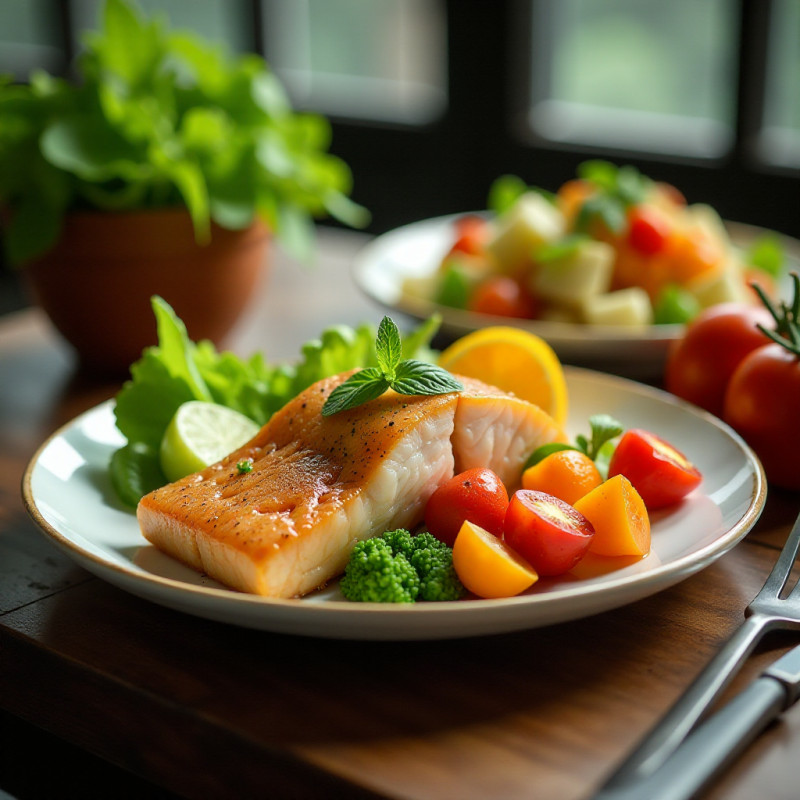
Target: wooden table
<point>90,675</point>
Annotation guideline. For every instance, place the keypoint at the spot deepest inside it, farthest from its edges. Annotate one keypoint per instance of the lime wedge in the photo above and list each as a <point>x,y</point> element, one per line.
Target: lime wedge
<point>200,434</point>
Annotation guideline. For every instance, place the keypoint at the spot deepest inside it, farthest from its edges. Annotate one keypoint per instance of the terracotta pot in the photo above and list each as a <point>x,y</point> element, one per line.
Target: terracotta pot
<point>96,284</point>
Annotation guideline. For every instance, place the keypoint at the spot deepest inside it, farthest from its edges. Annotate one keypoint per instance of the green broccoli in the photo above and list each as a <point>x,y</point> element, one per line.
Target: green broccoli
<point>374,574</point>
<point>399,567</point>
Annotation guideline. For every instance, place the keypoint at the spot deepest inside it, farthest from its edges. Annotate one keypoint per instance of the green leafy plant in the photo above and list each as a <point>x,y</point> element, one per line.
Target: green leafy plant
<point>160,118</point>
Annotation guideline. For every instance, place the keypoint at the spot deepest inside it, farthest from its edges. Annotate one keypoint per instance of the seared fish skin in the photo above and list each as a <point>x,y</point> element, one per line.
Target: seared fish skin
<point>320,484</point>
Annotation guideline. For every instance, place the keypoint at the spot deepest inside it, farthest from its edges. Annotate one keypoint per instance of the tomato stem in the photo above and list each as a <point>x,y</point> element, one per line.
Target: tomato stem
<point>787,318</point>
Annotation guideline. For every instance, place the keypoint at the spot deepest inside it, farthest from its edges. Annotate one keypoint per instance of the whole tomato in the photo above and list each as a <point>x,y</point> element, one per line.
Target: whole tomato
<point>762,403</point>
<point>477,495</point>
<point>700,364</point>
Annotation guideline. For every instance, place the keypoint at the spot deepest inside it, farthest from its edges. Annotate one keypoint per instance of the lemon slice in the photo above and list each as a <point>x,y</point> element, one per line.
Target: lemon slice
<point>200,434</point>
<point>515,361</point>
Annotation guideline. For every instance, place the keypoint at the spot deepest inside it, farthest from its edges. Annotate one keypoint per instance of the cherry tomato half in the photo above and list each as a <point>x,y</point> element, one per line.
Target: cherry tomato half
<point>502,296</point>
<point>648,230</point>
<point>761,403</point>
<point>477,495</point>
<point>660,474</point>
<point>700,364</point>
<point>472,233</point>
<point>547,532</point>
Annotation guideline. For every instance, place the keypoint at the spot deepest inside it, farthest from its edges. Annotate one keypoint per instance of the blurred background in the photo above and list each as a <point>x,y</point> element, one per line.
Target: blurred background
<point>430,100</point>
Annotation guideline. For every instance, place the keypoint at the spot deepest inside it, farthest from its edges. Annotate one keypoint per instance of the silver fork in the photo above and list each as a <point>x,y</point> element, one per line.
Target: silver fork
<point>768,611</point>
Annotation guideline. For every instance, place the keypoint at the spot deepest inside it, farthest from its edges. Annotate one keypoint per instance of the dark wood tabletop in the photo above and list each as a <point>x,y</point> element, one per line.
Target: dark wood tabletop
<point>108,695</point>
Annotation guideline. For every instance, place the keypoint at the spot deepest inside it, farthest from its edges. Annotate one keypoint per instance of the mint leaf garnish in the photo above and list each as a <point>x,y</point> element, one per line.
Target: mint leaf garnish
<point>406,376</point>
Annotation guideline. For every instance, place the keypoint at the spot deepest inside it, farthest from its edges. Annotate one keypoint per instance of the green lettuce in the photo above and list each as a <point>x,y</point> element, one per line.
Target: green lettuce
<point>177,370</point>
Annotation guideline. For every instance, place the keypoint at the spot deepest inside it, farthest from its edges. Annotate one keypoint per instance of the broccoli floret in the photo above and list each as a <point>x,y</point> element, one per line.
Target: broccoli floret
<point>398,567</point>
<point>374,574</point>
<point>437,577</point>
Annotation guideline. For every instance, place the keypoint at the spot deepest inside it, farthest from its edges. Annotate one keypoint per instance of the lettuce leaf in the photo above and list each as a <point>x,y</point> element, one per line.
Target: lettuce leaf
<point>177,370</point>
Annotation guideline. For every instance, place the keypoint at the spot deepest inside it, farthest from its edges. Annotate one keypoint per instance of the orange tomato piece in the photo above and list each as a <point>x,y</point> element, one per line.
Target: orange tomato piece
<point>487,566</point>
<point>619,517</point>
<point>566,474</point>
<point>692,254</point>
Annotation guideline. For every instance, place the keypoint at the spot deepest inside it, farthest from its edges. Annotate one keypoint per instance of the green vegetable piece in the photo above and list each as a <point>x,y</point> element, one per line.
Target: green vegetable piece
<point>378,570</point>
<point>675,305</point>
<point>560,249</point>
<point>455,287</point>
<point>244,466</point>
<point>767,254</point>
<point>374,574</point>
<point>618,189</point>
<point>504,192</point>
<point>404,376</point>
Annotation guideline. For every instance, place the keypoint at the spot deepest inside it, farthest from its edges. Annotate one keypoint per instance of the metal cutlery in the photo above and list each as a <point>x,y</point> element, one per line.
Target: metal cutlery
<point>771,609</point>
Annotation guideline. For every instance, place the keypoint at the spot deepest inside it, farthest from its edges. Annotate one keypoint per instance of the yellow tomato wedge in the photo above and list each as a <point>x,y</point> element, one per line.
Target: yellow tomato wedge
<point>515,361</point>
<point>619,517</point>
<point>487,566</point>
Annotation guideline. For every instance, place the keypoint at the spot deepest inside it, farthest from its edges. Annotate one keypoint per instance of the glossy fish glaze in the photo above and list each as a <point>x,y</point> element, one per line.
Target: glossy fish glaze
<point>320,484</point>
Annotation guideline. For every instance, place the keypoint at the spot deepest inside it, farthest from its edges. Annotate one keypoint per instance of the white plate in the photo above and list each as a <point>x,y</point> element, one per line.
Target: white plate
<point>67,492</point>
<point>416,250</point>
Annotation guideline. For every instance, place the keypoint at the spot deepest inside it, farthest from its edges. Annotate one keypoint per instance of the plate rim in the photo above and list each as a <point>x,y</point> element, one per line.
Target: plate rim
<point>299,608</point>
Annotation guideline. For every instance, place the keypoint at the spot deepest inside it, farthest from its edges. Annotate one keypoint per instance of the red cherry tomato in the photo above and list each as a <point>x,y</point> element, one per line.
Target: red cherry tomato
<point>472,233</point>
<point>477,495</point>
<point>504,297</point>
<point>549,533</point>
<point>648,230</point>
<point>661,474</point>
<point>762,403</point>
<point>701,363</point>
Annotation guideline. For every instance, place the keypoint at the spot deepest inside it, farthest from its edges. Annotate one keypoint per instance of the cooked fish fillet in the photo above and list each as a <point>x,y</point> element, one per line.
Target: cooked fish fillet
<point>320,484</point>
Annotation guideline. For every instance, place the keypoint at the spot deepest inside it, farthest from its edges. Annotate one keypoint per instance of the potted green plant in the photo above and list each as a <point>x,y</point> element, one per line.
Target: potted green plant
<point>162,168</point>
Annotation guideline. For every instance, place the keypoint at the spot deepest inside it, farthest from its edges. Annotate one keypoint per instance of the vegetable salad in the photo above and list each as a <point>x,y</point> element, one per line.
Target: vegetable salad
<point>610,247</point>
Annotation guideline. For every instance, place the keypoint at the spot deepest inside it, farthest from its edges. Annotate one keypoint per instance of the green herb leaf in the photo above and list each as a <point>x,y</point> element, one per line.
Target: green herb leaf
<point>504,192</point>
<point>604,428</point>
<point>408,376</point>
<point>540,453</point>
<point>367,384</point>
<point>244,466</point>
<point>420,377</point>
<point>388,347</point>
<point>599,447</point>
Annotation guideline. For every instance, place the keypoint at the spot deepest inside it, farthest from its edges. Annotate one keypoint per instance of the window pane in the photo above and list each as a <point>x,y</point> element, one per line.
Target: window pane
<point>360,58</point>
<point>779,142</point>
<point>636,74</point>
<point>29,38</point>
<point>229,22</point>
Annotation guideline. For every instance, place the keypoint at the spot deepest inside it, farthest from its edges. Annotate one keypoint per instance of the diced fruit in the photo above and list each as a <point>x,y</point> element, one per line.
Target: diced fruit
<point>722,285</point>
<point>619,517</point>
<point>579,275</point>
<point>549,533</point>
<point>629,307</point>
<point>566,474</point>
<point>660,474</point>
<point>477,495</point>
<point>529,223</point>
<point>472,233</point>
<point>512,360</point>
<point>487,566</point>
<point>200,434</point>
